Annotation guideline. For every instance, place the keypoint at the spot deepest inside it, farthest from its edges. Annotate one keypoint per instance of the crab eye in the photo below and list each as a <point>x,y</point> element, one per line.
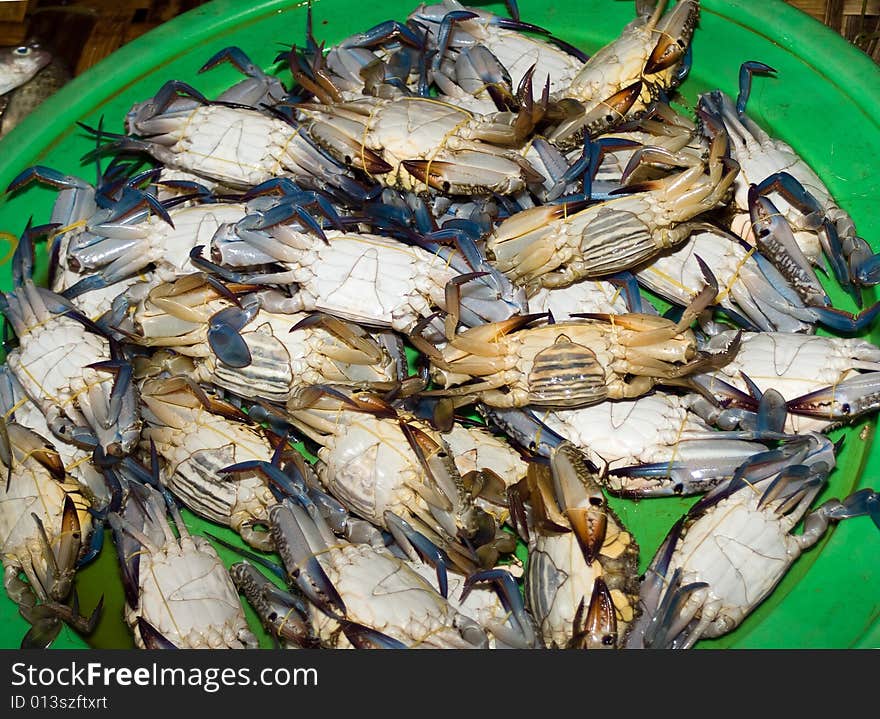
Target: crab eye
<point>23,50</point>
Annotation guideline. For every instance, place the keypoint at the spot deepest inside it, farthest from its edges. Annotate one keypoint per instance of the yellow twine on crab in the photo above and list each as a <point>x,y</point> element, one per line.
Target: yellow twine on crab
<point>13,244</point>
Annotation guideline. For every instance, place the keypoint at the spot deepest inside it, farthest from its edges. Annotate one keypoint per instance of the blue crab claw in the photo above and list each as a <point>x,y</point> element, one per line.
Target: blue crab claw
<point>681,478</point>
<point>86,284</point>
<point>775,240</point>
<point>237,57</point>
<point>285,482</point>
<point>412,542</point>
<point>525,636</point>
<point>866,270</point>
<point>99,520</point>
<point>122,370</point>
<point>587,165</point>
<point>289,527</point>
<point>133,202</point>
<point>152,637</point>
<point>224,336</point>
<point>841,402</point>
<point>524,427</point>
<point>772,413</point>
<point>199,262</point>
<point>628,285</point>
<point>846,322</point>
<point>383,33</point>
<point>792,190</point>
<point>846,261</point>
<point>863,502</point>
<point>170,91</point>
<point>194,191</point>
<point>651,590</point>
<point>280,214</point>
<point>445,33</point>
<point>23,257</point>
<point>282,484</point>
<point>48,176</point>
<point>746,70</point>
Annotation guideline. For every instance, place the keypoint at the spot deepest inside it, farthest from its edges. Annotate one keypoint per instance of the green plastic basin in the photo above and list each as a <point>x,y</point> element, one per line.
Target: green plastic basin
<point>825,102</point>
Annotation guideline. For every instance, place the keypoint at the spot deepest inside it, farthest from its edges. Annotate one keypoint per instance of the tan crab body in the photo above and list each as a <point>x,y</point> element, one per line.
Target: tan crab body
<point>555,245</point>
<point>622,78</point>
<point>566,364</point>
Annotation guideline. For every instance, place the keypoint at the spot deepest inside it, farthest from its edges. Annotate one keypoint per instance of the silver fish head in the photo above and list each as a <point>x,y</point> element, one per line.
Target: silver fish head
<point>19,64</point>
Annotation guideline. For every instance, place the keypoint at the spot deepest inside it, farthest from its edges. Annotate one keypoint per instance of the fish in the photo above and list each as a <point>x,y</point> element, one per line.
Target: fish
<point>21,101</point>
<point>19,64</point>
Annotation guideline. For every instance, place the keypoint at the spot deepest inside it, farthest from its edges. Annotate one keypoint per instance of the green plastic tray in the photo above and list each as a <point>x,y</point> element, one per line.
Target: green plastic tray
<point>825,102</point>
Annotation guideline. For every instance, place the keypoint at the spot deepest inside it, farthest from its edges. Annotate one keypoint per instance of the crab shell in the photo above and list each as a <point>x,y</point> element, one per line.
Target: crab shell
<point>418,143</point>
<point>384,593</point>
<point>187,595</point>
<point>566,364</point>
<point>195,444</point>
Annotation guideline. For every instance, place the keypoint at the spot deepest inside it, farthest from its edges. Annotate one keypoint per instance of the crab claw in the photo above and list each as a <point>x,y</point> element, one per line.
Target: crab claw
<point>46,620</point>
<point>364,637</point>
<point>472,173</point>
<point>48,176</point>
<point>289,527</point>
<point>224,336</point>
<point>865,501</point>
<point>582,500</point>
<point>61,562</point>
<point>776,241</point>
<point>746,70</point>
<point>675,30</point>
<point>595,628</point>
<point>839,402</point>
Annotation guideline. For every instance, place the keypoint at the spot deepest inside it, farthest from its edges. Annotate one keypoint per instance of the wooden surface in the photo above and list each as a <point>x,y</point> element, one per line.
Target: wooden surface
<point>856,20</point>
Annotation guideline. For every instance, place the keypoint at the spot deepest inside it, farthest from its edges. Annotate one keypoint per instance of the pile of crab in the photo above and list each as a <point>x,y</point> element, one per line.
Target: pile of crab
<point>386,324</point>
